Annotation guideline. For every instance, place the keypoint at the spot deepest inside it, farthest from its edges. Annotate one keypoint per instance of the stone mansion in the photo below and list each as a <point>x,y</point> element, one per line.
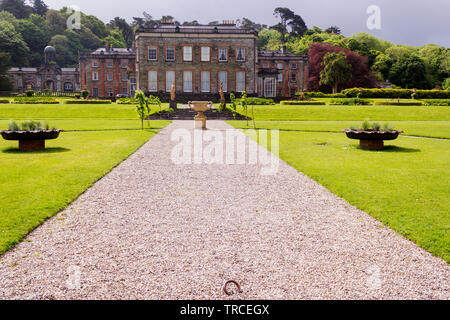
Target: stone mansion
<point>198,59</point>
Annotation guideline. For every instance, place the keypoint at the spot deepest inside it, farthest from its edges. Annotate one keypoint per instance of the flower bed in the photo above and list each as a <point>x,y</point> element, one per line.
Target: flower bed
<point>398,103</point>
<point>87,102</point>
<point>302,103</point>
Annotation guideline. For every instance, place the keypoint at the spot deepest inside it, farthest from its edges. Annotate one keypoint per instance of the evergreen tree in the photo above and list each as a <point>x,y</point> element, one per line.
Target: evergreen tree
<point>39,7</point>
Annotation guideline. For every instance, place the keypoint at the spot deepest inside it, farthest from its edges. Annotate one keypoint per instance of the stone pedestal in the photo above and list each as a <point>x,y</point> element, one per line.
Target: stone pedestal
<point>31,145</point>
<point>371,144</point>
<point>200,121</point>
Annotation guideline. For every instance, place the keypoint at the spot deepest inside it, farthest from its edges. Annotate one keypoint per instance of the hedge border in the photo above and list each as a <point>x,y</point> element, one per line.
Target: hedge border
<point>302,103</point>
<point>87,102</point>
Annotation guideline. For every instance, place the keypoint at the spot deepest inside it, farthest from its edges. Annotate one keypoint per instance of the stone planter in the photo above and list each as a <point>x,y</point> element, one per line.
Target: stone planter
<point>200,107</point>
<point>372,140</point>
<point>31,140</point>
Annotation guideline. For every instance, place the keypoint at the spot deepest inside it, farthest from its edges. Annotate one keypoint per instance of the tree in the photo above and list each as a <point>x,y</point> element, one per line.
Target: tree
<point>125,28</point>
<point>289,19</point>
<point>360,74</point>
<point>268,35</point>
<point>39,7</point>
<point>143,108</point>
<point>248,24</point>
<point>97,27</point>
<point>5,64</point>
<point>11,42</point>
<point>409,72</point>
<point>17,7</point>
<point>115,39</point>
<point>383,65</point>
<point>334,30</point>
<point>64,54</point>
<point>336,70</point>
<point>56,22</point>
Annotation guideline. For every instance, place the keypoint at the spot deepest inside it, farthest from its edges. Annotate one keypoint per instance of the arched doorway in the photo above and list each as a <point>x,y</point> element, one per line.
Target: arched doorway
<point>68,87</point>
<point>50,85</point>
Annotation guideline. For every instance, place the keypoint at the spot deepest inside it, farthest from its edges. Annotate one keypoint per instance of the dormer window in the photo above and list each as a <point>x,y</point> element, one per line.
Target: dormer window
<point>94,64</point>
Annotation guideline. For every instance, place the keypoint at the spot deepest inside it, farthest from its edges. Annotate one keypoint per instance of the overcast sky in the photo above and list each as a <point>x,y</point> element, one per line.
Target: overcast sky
<point>413,22</point>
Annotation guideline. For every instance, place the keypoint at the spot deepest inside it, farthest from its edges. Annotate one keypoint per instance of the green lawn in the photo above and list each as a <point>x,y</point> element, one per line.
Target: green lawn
<point>70,111</point>
<point>405,186</point>
<point>35,186</point>
<point>347,113</point>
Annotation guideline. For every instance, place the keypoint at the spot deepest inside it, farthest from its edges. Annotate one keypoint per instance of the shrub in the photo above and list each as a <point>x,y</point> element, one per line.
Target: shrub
<point>350,102</point>
<point>367,126</point>
<point>35,100</point>
<point>29,93</point>
<point>87,102</point>
<point>127,101</point>
<point>302,103</point>
<point>437,102</point>
<point>257,101</point>
<point>85,94</point>
<point>4,100</point>
<point>398,103</point>
<point>29,126</point>
<point>396,93</point>
<point>446,84</point>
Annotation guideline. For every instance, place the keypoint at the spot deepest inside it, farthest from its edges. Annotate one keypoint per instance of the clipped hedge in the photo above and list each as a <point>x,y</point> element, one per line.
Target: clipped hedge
<point>396,93</point>
<point>34,100</point>
<point>302,103</point>
<point>127,101</point>
<point>350,102</point>
<point>257,101</point>
<point>437,102</point>
<point>318,94</point>
<point>4,101</point>
<point>87,102</point>
<point>397,103</point>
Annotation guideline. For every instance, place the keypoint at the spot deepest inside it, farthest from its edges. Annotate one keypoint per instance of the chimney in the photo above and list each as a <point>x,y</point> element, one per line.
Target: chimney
<point>108,46</point>
<point>283,49</point>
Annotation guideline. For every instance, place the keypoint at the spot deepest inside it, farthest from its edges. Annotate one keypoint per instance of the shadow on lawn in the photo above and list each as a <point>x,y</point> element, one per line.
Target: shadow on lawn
<point>47,150</point>
<point>393,149</point>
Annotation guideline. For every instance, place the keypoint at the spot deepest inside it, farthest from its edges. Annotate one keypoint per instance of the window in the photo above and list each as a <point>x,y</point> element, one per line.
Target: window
<point>187,53</point>
<point>170,54</point>
<point>187,81</point>
<point>152,81</point>
<point>95,92</point>
<point>223,79</point>
<point>206,81</point>
<point>152,53</point>
<point>240,81</point>
<point>269,87</point>
<point>68,87</point>
<point>170,78</point>
<point>94,76</point>
<point>223,54</point>
<point>280,77</point>
<point>94,64</point>
<point>133,86</point>
<point>294,66</point>
<point>240,54</point>
<point>266,65</point>
<point>280,66</point>
<point>124,90</point>
<point>206,54</point>
<point>109,76</point>
<point>109,64</point>
<point>124,76</point>
<point>294,77</point>
<point>124,64</point>
<point>110,92</point>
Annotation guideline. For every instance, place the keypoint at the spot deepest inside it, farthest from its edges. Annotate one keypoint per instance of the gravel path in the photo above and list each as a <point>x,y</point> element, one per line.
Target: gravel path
<point>155,230</point>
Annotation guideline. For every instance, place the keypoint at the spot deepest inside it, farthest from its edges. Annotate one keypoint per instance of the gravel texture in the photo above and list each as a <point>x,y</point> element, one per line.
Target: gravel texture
<point>155,230</point>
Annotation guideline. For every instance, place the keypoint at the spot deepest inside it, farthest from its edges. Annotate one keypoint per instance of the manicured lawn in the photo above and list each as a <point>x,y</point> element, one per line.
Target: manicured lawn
<point>64,111</point>
<point>339,113</point>
<point>434,129</point>
<point>406,187</point>
<point>34,186</point>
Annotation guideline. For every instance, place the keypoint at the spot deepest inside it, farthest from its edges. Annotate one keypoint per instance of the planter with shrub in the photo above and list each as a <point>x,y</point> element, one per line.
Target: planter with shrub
<point>31,134</point>
<point>372,137</point>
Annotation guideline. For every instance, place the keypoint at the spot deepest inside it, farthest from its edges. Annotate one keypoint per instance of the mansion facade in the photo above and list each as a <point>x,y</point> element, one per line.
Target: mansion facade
<point>198,60</point>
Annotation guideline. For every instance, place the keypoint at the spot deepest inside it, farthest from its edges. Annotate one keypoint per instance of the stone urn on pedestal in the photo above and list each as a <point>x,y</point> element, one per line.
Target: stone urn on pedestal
<point>200,107</point>
<point>172,104</point>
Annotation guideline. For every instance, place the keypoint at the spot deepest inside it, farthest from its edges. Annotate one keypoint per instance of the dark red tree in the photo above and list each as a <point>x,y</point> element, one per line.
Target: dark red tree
<point>361,75</point>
